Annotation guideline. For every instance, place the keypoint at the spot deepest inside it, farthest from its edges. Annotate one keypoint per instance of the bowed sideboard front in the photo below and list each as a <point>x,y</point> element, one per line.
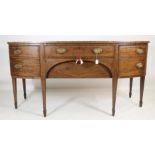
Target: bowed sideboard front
<point>58,60</point>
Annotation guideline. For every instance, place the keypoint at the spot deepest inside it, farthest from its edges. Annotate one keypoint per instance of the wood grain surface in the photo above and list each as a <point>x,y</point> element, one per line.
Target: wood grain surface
<point>56,59</point>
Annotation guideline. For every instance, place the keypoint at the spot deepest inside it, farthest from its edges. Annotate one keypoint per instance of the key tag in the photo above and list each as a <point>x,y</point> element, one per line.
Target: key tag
<point>79,60</point>
<point>96,60</point>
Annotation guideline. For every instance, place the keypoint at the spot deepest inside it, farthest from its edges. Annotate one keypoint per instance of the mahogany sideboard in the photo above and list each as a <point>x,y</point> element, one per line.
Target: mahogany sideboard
<point>78,59</point>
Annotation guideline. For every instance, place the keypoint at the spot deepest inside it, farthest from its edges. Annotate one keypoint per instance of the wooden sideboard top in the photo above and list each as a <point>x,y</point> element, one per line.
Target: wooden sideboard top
<point>80,42</point>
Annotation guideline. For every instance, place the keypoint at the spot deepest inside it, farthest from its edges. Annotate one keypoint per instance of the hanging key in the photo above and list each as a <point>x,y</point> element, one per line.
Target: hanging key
<point>96,60</point>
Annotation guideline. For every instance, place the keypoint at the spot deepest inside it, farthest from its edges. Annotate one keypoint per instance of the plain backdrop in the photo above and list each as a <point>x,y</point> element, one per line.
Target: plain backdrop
<point>5,78</point>
<point>77,17</point>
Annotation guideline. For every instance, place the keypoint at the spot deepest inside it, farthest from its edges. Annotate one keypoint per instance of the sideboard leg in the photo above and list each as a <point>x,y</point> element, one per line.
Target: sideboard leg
<point>142,82</point>
<point>14,84</point>
<point>114,91</point>
<point>130,91</point>
<point>24,87</point>
<point>43,85</point>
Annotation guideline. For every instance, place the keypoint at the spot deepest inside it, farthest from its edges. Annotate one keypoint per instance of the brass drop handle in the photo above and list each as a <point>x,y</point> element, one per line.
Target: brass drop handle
<point>97,50</point>
<point>18,66</point>
<point>17,52</point>
<point>139,65</point>
<point>61,50</point>
<point>139,51</point>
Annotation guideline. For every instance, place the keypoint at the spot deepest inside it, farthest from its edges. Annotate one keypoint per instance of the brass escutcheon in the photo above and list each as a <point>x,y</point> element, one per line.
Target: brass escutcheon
<point>97,50</point>
<point>17,52</point>
<point>61,50</point>
<point>18,66</point>
<point>139,65</point>
<point>139,51</point>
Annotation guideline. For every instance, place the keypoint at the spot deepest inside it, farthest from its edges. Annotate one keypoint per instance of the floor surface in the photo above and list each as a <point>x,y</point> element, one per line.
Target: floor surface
<point>77,104</point>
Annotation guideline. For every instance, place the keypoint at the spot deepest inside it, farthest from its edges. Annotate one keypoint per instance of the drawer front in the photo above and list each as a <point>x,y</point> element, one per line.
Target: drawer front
<point>24,51</point>
<point>25,68</point>
<point>100,51</point>
<point>133,51</point>
<point>73,52</point>
<point>131,67</point>
<point>53,51</point>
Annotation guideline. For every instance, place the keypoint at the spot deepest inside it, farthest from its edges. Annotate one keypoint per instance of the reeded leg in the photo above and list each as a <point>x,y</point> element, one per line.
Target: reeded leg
<point>114,91</point>
<point>130,91</point>
<point>142,81</point>
<point>14,84</point>
<point>43,85</point>
<point>24,87</point>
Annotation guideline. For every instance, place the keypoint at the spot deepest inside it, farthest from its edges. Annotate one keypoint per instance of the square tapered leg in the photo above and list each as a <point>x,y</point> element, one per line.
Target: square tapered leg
<point>14,84</point>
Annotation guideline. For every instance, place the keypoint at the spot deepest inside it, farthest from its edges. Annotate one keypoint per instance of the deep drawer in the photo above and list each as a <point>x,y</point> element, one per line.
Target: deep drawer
<point>25,68</point>
<point>68,68</point>
<point>132,67</point>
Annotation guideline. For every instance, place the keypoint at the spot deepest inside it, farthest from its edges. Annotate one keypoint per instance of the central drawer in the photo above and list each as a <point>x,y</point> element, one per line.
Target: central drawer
<point>53,51</point>
<point>72,52</point>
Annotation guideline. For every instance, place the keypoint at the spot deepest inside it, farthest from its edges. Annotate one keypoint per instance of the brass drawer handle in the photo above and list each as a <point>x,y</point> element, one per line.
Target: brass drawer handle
<point>97,50</point>
<point>17,52</point>
<point>61,50</point>
<point>18,66</point>
<point>139,65</point>
<point>139,51</point>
